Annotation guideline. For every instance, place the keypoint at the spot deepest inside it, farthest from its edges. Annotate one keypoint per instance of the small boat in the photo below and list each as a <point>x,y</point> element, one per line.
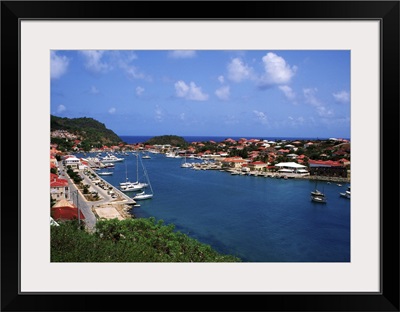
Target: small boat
<point>317,192</point>
<point>318,199</point>
<point>142,195</point>
<point>186,164</point>
<point>133,186</point>
<point>105,173</point>
<point>146,156</point>
<point>346,194</point>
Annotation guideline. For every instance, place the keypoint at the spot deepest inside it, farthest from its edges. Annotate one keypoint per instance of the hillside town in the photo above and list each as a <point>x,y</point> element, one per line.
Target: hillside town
<point>74,181</point>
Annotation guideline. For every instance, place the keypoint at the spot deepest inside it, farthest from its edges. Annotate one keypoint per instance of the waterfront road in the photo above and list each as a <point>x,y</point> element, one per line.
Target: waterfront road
<point>108,194</point>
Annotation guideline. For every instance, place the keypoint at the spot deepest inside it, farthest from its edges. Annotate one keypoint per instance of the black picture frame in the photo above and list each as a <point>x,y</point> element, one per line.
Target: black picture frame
<point>385,11</point>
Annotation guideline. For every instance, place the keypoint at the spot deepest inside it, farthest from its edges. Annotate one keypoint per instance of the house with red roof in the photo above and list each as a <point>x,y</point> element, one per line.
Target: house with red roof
<point>257,165</point>
<point>233,162</point>
<point>59,188</point>
<point>63,210</point>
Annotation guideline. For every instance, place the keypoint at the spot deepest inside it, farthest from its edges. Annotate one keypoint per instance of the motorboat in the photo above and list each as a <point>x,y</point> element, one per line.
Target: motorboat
<point>346,194</point>
<point>105,173</point>
<point>111,159</point>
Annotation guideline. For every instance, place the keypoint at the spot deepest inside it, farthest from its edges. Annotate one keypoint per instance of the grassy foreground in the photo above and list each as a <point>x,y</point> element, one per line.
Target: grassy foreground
<point>129,240</point>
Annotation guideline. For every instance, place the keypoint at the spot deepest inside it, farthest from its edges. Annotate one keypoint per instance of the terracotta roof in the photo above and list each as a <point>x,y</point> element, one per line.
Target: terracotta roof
<point>59,183</point>
<point>63,203</point>
<point>258,163</point>
<point>66,213</point>
<point>325,162</point>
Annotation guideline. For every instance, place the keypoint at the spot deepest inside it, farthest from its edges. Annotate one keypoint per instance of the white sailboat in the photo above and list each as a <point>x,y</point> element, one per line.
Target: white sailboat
<point>143,195</point>
<point>317,192</point>
<point>318,196</point>
<point>128,186</point>
<point>186,164</point>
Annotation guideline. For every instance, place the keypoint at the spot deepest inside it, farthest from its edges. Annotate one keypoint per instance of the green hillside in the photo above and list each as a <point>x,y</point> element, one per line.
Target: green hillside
<point>89,131</point>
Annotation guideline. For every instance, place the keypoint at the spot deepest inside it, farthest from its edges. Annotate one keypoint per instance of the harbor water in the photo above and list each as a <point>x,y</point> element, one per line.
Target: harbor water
<point>257,219</point>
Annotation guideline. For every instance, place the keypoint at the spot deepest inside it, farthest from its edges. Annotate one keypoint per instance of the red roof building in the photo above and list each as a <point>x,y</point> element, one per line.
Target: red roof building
<point>66,213</point>
<point>65,210</point>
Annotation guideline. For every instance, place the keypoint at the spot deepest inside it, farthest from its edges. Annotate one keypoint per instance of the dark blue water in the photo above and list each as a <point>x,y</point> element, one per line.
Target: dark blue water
<point>255,218</point>
<point>189,139</point>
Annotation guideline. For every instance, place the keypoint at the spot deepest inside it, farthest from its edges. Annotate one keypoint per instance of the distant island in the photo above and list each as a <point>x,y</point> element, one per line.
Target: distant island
<point>173,140</point>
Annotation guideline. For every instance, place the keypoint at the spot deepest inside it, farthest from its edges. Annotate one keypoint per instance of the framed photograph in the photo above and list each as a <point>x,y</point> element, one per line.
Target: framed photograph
<point>346,58</point>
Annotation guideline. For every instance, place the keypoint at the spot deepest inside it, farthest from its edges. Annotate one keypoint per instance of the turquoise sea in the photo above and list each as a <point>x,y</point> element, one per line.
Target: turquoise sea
<point>254,218</point>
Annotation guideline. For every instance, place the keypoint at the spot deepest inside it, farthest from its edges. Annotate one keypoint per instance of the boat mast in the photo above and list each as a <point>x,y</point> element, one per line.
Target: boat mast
<point>126,172</point>
<point>147,176</point>
<point>137,167</point>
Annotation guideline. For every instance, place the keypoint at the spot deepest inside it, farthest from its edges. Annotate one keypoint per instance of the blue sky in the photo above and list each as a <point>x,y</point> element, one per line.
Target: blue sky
<point>249,93</point>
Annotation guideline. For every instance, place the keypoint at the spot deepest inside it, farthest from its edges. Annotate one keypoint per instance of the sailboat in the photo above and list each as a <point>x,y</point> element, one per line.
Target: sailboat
<point>143,195</point>
<point>185,164</point>
<point>317,192</point>
<point>318,196</point>
<point>128,186</point>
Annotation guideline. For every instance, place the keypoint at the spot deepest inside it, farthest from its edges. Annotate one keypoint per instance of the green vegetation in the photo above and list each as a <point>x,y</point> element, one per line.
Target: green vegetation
<point>173,140</point>
<point>129,240</point>
<point>74,175</point>
<point>89,131</point>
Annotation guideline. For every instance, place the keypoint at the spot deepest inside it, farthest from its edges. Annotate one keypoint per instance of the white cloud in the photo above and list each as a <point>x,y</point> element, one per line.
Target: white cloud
<point>189,92</point>
<point>159,115</point>
<point>341,97</point>
<point>58,65</point>
<point>223,93</point>
<point>238,71</point>
<point>93,61</point>
<point>61,108</point>
<point>310,97</point>
<point>221,79</point>
<point>139,90</point>
<point>261,117</point>
<point>182,54</point>
<point>290,95</point>
<point>133,71</point>
<point>112,110</point>
<point>324,112</point>
<point>277,70</point>
<point>296,121</point>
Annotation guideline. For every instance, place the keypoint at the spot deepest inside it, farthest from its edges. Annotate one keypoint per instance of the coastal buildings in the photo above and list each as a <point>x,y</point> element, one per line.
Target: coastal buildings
<point>59,188</point>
